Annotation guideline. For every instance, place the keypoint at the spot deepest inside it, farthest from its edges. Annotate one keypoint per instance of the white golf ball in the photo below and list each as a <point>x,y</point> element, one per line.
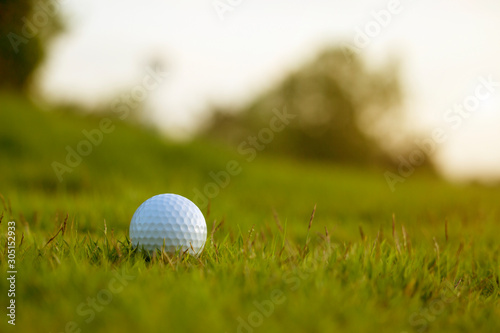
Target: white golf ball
<point>169,220</point>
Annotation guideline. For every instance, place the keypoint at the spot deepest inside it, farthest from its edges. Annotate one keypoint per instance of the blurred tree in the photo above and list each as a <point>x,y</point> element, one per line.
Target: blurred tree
<point>341,107</point>
<point>25,27</point>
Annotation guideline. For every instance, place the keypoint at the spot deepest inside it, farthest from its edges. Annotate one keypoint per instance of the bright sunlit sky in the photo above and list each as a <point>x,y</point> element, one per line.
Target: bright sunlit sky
<point>444,47</point>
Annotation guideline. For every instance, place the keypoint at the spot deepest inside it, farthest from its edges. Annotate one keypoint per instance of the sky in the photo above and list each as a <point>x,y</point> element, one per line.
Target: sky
<point>211,57</point>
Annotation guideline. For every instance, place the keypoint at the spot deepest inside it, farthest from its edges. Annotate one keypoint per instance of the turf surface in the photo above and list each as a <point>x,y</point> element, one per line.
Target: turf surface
<point>293,245</point>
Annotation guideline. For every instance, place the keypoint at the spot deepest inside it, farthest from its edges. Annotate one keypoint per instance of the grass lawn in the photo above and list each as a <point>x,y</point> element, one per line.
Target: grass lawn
<point>270,264</point>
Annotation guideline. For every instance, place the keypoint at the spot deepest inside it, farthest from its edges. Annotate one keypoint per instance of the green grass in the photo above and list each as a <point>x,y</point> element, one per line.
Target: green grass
<point>347,272</point>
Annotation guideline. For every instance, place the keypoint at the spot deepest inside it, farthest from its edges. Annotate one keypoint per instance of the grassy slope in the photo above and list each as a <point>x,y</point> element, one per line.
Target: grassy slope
<point>339,282</point>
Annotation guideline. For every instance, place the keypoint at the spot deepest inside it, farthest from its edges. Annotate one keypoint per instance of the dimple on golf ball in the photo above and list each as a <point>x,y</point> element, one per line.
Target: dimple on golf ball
<point>169,220</point>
